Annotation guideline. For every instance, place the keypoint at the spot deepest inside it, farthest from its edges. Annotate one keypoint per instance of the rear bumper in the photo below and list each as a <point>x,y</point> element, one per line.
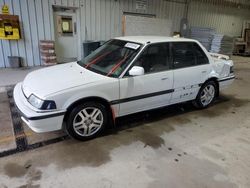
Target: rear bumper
<point>37,121</point>
<point>225,82</point>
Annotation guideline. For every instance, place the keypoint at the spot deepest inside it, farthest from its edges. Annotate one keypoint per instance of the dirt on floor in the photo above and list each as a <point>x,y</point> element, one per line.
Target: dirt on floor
<point>177,146</point>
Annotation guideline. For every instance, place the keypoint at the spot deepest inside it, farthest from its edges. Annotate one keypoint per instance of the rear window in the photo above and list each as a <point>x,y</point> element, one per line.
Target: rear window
<point>187,54</point>
<point>201,57</point>
<point>183,55</point>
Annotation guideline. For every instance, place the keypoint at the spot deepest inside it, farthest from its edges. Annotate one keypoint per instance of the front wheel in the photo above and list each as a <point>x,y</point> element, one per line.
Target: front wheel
<point>206,95</point>
<point>86,121</point>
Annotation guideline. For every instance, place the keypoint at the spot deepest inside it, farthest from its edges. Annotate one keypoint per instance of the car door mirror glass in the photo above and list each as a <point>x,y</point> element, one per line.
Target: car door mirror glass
<point>136,71</point>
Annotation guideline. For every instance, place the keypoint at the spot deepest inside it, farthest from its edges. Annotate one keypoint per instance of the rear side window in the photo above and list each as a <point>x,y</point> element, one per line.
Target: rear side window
<point>187,54</point>
<point>201,57</point>
<point>183,55</point>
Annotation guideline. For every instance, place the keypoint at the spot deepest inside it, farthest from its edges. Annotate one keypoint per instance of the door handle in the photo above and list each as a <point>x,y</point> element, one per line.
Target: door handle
<point>164,78</point>
<point>204,71</point>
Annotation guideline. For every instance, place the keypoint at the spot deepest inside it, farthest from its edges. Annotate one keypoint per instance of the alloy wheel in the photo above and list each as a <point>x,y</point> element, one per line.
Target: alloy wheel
<point>207,95</point>
<point>88,121</point>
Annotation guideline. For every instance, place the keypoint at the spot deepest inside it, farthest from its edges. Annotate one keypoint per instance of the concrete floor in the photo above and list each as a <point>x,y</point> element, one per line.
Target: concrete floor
<point>173,147</point>
<point>7,134</point>
<point>10,76</point>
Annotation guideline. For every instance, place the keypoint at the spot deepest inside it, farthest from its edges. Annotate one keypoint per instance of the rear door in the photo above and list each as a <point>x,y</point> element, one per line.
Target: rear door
<point>154,88</point>
<point>191,68</point>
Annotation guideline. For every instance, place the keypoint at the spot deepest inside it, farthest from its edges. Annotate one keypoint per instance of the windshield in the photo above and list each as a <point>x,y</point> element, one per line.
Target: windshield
<point>111,58</point>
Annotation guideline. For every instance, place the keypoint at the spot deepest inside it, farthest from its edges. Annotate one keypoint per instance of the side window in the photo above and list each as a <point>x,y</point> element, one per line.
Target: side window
<point>155,58</point>
<point>183,55</point>
<point>201,57</point>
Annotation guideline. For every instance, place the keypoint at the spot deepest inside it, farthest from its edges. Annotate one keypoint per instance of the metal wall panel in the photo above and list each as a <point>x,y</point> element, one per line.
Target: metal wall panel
<point>20,43</point>
<point>13,45</point>
<point>34,33</point>
<point>46,19</point>
<point>102,20</point>
<point>27,33</point>
<point>6,47</point>
<point>2,60</point>
<point>40,22</point>
<point>225,20</point>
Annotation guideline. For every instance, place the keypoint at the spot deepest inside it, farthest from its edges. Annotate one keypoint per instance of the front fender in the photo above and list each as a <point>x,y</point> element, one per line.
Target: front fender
<point>106,90</point>
<point>82,95</point>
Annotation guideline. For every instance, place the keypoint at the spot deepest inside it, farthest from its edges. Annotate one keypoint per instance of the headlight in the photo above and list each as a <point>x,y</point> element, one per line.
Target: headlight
<point>41,104</point>
<point>35,101</point>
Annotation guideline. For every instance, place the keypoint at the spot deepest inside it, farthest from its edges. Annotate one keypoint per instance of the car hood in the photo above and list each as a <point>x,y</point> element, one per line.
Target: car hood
<point>54,79</point>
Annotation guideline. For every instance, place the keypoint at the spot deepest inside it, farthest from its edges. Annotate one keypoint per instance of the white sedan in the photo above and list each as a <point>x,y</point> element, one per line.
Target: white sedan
<point>124,76</point>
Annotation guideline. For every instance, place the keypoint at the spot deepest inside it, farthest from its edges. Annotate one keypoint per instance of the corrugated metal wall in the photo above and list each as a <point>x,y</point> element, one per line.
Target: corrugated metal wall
<point>101,20</point>
<point>98,20</point>
<point>225,20</point>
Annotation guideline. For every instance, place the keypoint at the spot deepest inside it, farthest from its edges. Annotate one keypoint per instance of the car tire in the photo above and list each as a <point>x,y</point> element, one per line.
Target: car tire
<point>206,95</point>
<point>86,121</point>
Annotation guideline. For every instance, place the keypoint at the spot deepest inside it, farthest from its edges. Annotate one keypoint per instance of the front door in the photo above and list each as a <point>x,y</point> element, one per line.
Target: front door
<point>66,36</point>
<point>154,88</point>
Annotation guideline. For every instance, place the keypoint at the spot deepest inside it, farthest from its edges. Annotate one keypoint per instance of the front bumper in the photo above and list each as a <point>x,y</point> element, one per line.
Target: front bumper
<point>37,121</point>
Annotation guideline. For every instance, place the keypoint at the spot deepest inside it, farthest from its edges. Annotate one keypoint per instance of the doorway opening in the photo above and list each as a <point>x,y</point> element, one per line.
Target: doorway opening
<point>66,34</point>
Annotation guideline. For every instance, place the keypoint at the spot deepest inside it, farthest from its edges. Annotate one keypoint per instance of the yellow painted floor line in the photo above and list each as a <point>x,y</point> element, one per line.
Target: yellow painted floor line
<point>9,138</point>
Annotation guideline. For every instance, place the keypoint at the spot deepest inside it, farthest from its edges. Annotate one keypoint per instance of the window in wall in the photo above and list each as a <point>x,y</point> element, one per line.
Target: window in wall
<point>65,25</point>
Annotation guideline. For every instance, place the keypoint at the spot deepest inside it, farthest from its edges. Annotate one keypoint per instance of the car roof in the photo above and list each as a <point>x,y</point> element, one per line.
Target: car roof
<point>153,39</point>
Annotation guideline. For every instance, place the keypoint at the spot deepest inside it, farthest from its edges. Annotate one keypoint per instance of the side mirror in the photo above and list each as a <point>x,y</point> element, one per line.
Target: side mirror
<point>136,71</point>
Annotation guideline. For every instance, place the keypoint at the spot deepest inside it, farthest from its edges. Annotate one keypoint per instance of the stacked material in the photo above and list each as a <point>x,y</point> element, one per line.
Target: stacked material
<point>222,44</point>
<point>47,50</point>
<point>203,35</point>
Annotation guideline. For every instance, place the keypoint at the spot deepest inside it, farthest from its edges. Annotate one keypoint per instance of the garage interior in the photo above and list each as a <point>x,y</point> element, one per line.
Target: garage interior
<point>176,146</point>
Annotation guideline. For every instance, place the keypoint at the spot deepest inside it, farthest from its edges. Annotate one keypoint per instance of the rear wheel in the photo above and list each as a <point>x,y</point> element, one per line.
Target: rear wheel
<point>86,121</point>
<point>206,95</point>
